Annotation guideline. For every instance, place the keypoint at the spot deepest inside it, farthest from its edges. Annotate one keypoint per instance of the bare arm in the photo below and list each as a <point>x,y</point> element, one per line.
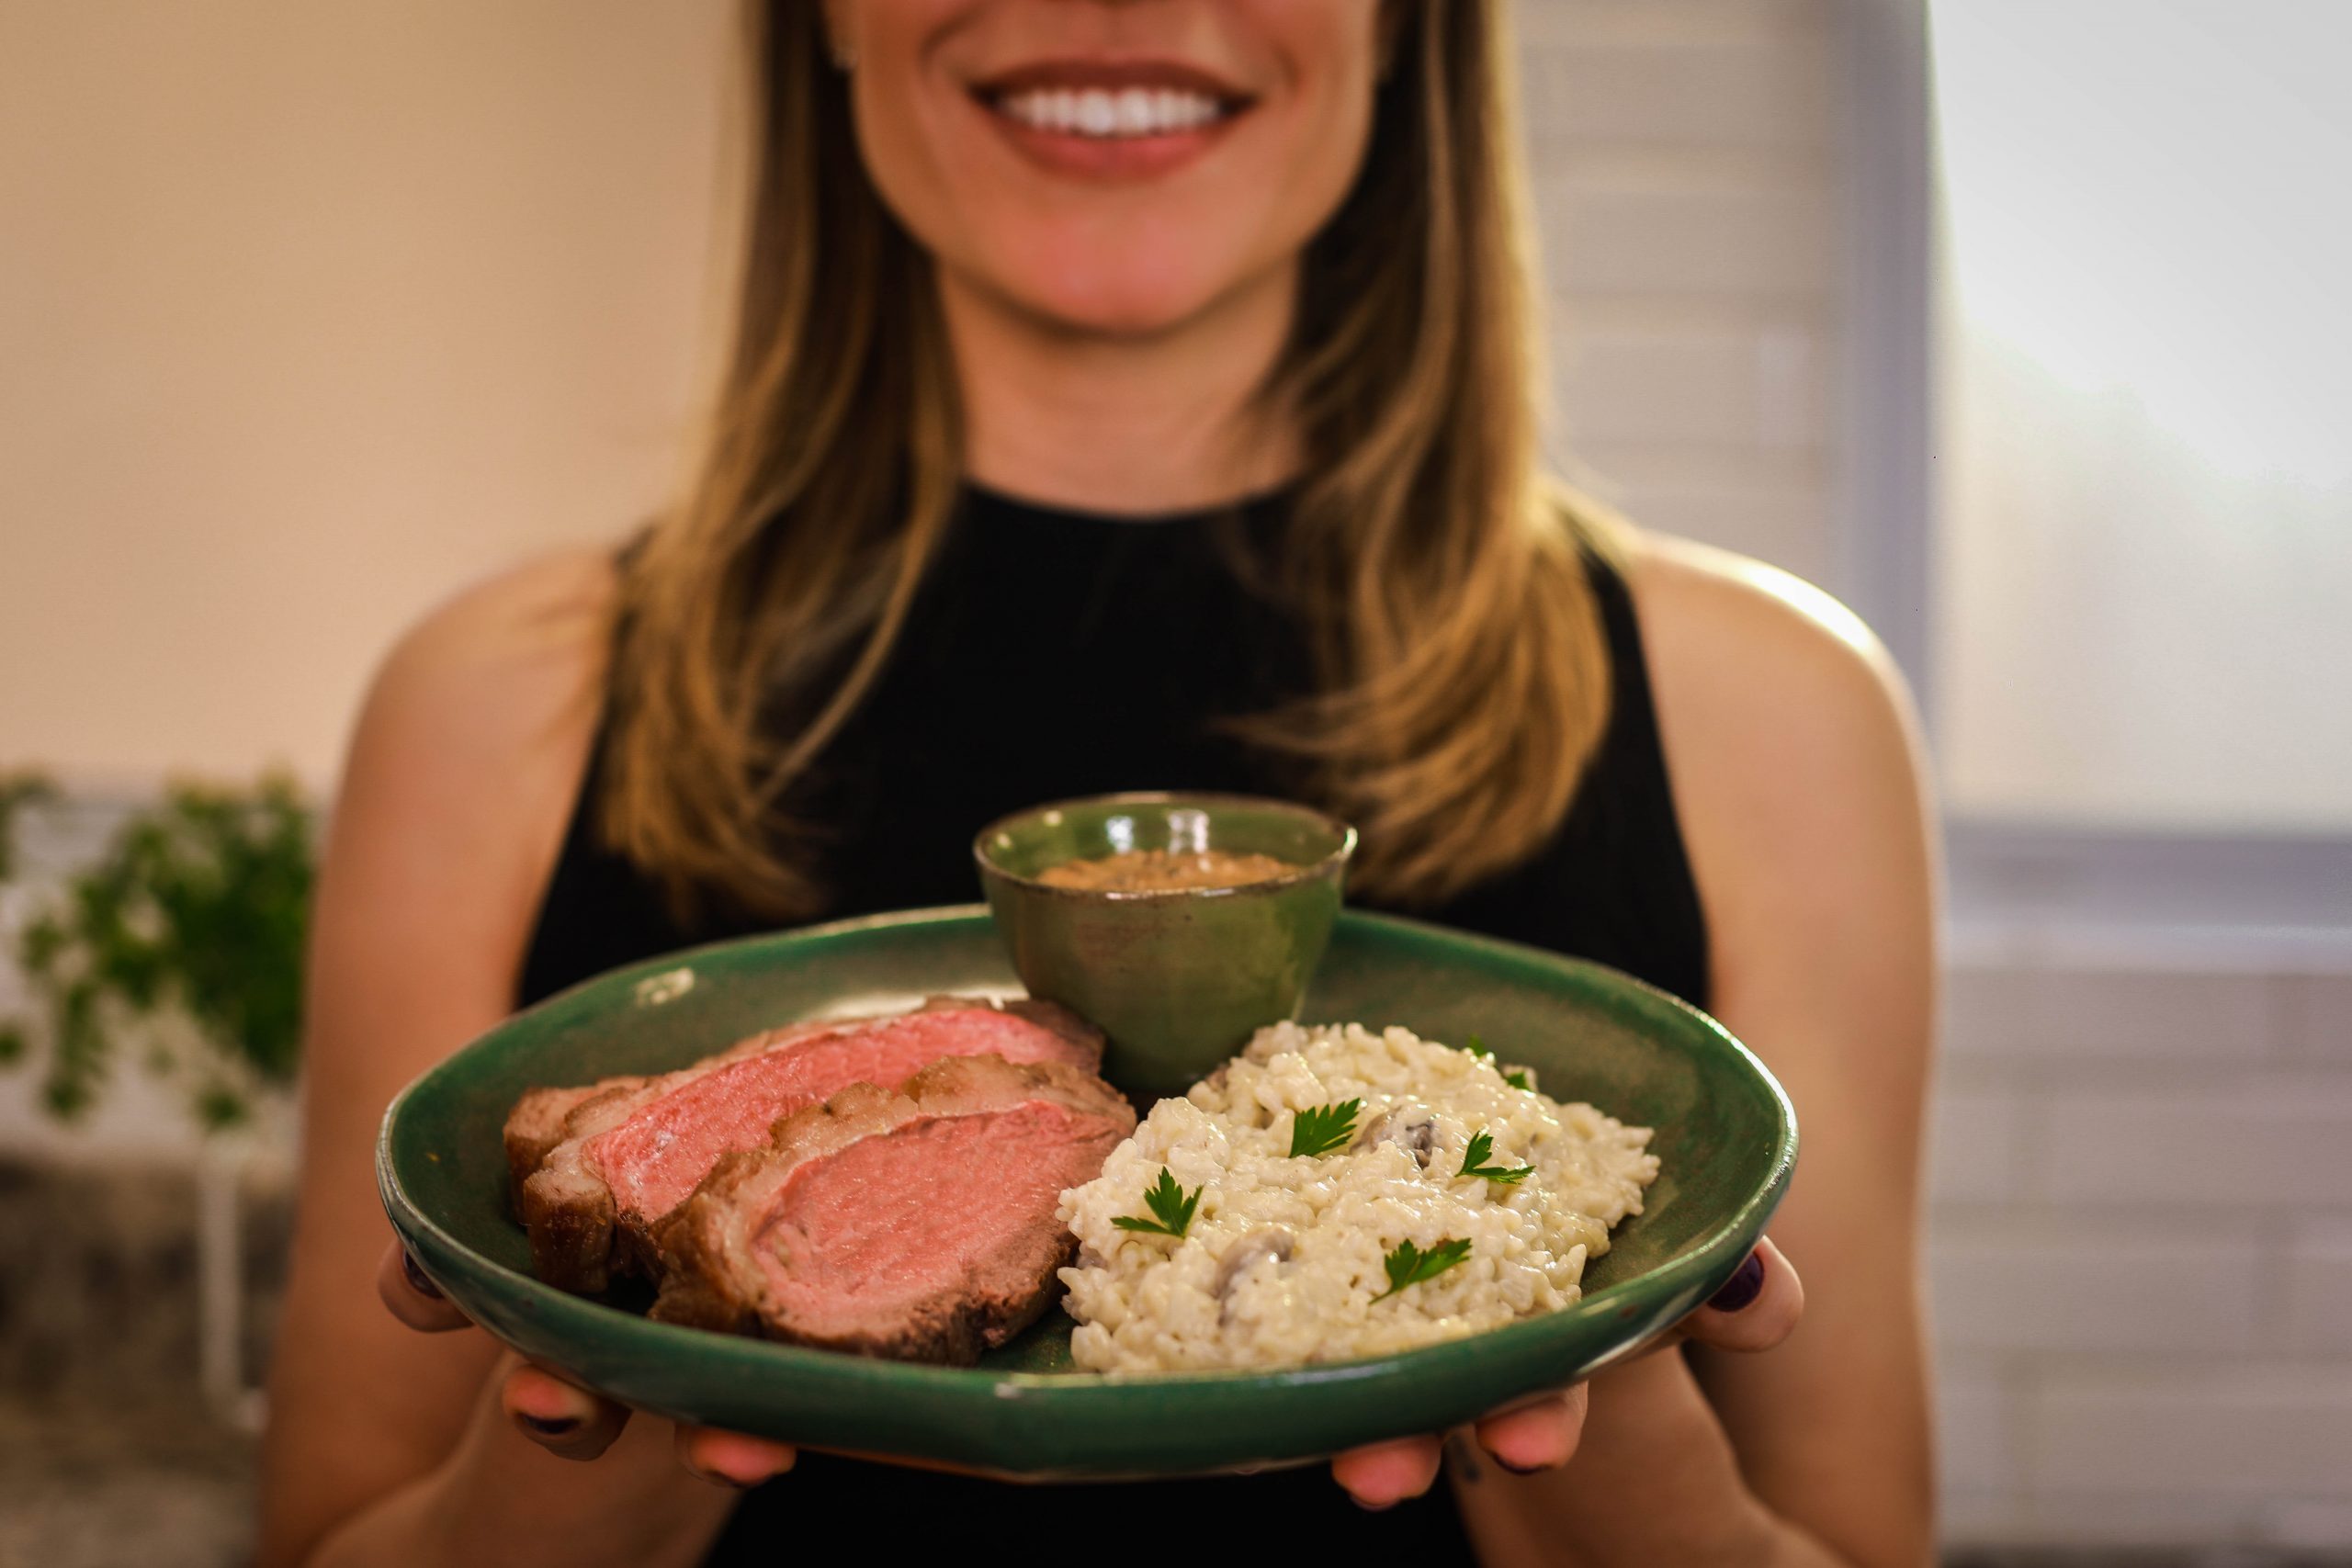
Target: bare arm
<point>1797,782</point>
<point>387,1445</point>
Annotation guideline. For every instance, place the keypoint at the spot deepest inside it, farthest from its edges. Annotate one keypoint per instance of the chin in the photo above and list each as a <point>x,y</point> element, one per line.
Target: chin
<point>1129,285</point>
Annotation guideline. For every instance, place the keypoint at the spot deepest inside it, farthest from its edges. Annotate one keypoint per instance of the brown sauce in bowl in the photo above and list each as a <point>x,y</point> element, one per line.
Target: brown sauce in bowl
<point>1164,871</point>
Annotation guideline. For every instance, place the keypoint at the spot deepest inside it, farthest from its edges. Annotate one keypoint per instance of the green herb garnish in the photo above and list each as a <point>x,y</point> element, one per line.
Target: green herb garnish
<point>1476,1047</point>
<point>1474,1161</point>
<point>1408,1265</point>
<point>1171,1209</point>
<point>1517,1078</point>
<point>1320,1129</point>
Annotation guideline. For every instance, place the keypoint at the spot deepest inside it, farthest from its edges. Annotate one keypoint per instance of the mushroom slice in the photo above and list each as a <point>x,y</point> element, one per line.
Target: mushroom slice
<point>1266,1241</point>
<point>1410,1127</point>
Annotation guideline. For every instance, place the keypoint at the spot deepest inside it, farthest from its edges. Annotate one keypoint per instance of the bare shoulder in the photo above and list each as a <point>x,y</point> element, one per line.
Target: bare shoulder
<point>455,795</point>
<point>1736,639</point>
<point>477,723</point>
<point>525,643</point>
<point>1792,746</point>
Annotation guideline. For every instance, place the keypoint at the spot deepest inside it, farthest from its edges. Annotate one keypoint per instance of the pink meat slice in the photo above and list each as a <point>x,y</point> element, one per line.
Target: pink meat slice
<point>918,1224</point>
<point>871,1231</point>
<point>632,1149</point>
<point>654,1159</point>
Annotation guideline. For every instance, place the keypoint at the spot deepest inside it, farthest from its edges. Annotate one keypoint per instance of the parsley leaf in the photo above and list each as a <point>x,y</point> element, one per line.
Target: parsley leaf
<point>1408,1265</point>
<point>1474,1161</point>
<point>1517,1078</point>
<point>1171,1207</point>
<point>1476,1047</point>
<point>1320,1129</point>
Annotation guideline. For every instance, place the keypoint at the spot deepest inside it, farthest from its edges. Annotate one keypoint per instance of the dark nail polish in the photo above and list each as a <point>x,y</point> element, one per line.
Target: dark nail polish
<point>416,1280</point>
<point>549,1427</point>
<point>1741,1288</point>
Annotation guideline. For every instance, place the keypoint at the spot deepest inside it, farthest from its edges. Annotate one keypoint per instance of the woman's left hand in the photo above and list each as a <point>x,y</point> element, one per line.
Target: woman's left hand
<point>1755,1310</point>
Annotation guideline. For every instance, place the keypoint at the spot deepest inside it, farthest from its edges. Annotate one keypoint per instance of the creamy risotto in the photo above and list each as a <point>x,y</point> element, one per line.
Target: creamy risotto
<point>1284,1258</point>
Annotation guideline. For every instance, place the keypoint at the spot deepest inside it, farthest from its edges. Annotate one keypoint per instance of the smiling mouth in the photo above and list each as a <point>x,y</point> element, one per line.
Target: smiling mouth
<point>1112,114</point>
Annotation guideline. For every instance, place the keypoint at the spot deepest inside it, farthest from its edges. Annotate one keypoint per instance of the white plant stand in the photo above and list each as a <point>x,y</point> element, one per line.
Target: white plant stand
<point>221,1162</point>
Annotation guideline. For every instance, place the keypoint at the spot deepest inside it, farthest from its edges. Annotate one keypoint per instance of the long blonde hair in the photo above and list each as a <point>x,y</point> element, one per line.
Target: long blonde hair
<point>1463,672</point>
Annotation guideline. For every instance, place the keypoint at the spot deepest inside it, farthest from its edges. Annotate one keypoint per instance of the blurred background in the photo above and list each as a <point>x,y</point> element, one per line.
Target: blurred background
<point>2039,355</point>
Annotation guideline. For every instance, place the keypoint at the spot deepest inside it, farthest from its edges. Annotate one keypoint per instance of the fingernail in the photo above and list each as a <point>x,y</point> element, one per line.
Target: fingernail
<point>549,1426</point>
<point>1372,1507</point>
<point>416,1280</point>
<point>1741,1288</point>
<point>1519,1469</point>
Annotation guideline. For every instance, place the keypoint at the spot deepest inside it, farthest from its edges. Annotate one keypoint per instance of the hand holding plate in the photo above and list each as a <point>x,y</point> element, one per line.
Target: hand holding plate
<point>1755,1310</point>
<point>561,1417</point>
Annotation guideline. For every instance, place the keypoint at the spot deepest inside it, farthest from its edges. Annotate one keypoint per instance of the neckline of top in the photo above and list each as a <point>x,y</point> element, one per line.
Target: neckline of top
<point>986,501</point>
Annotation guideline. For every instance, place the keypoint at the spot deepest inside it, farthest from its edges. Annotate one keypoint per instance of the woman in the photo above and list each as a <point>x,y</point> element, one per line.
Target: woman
<point>1231,295</point>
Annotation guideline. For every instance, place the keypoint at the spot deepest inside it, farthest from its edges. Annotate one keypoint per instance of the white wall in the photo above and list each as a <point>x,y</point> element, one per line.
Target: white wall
<point>2142,1252</point>
<point>308,314</point>
<point>1688,180</point>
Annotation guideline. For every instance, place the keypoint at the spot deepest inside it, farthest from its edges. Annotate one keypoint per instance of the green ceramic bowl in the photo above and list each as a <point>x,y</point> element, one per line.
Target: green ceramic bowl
<point>1179,978</point>
<point>1726,1139</point>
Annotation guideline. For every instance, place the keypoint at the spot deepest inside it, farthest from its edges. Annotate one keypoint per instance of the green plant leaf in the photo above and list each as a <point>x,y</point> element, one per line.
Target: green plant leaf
<point>67,1099</point>
<point>39,948</point>
<point>219,1107</point>
<point>196,913</point>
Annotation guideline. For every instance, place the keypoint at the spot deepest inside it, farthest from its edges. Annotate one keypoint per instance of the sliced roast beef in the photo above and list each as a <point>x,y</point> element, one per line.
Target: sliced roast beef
<point>916,1224</point>
<point>597,1166</point>
<point>535,1127</point>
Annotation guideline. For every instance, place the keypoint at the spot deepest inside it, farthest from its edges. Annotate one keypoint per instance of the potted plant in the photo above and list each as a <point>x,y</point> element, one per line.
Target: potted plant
<point>182,944</point>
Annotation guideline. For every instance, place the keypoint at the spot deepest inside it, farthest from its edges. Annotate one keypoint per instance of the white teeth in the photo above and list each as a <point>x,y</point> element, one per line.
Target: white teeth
<point>1102,113</point>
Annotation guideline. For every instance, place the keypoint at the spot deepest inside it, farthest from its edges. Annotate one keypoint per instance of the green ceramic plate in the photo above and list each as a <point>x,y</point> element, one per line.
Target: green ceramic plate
<point>1726,1139</point>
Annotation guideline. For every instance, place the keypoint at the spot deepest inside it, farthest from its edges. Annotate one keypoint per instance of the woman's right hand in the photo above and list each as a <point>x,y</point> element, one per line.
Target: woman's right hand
<point>561,1417</point>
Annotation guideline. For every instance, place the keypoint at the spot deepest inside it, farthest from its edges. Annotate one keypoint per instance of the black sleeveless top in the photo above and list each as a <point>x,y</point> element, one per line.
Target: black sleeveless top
<point>1127,642</point>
